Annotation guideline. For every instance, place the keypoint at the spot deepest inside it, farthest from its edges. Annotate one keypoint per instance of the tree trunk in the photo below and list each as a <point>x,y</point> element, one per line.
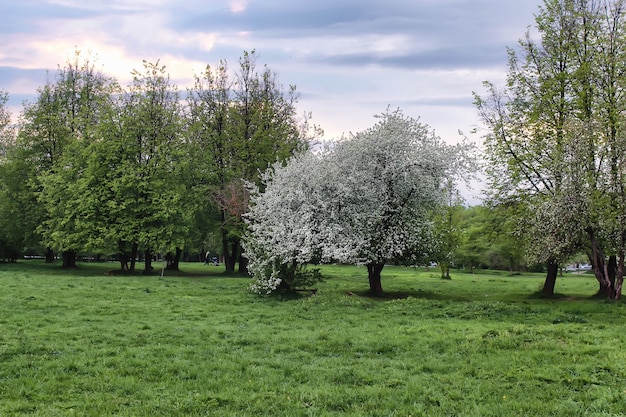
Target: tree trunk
<point>229,258</point>
<point>123,262</point>
<point>445,270</point>
<point>121,246</point>
<point>612,269</point>
<point>600,267</point>
<point>49,255</point>
<point>243,265</point>
<point>69,259</point>
<point>173,262</point>
<point>551,274</point>
<point>373,273</point>
<point>619,276</point>
<point>147,269</point>
<point>231,254</point>
<point>133,256</point>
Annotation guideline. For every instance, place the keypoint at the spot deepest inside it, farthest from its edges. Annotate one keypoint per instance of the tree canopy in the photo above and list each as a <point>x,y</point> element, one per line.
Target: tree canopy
<point>556,137</point>
<point>364,200</point>
<point>101,169</point>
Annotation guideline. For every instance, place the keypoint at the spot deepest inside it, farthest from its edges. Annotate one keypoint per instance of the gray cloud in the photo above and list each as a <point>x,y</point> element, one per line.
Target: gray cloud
<point>464,33</point>
<point>26,16</point>
<point>346,56</point>
<point>446,58</point>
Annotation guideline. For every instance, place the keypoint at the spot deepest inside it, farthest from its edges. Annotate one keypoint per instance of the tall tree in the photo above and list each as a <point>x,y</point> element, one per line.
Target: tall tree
<point>55,129</point>
<point>14,225</point>
<point>147,204</point>
<point>241,124</point>
<point>68,192</point>
<point>605,226</point>
<point>7,130</point>
<point>543,126</point>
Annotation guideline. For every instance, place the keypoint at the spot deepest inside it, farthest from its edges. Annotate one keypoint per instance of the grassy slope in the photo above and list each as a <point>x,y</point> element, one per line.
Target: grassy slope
<point>83,343</point>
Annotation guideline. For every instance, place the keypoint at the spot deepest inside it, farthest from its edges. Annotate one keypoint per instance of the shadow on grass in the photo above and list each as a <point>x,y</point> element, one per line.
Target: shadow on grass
<point>98,269</point>
<point>439,296</point>
<point>539,295</point>
<point>401,295</point>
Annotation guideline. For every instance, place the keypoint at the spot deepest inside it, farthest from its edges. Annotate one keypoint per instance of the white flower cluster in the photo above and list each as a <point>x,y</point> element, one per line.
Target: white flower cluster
<point>363,200</point>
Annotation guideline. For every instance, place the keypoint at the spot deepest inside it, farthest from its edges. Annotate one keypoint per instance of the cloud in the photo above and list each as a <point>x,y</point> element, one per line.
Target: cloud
<point>461,56</point>
<point>238,6</point>
<point>344,55</point>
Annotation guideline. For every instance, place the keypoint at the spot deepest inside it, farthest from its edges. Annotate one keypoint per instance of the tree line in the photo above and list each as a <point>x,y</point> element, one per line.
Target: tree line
<point>92,167</point>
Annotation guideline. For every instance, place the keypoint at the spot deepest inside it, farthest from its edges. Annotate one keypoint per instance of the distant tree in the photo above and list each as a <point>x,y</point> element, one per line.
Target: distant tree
<point>366,200</point>
<point>506,235</point>
<point>447,232</point>
<point>474,237</point>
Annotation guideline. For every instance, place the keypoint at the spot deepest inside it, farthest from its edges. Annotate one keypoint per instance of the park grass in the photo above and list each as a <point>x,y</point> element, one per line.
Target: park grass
<point>84,343</point>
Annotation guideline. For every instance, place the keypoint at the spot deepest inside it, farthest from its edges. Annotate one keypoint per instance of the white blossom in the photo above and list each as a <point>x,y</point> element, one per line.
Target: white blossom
<point>364,200</point>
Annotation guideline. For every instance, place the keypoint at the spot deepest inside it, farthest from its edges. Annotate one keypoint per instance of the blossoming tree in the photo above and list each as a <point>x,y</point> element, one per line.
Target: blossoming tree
<point>364,200</point>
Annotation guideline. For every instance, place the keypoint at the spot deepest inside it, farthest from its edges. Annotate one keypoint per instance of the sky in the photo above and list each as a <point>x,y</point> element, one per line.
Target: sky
<point>349,59</point>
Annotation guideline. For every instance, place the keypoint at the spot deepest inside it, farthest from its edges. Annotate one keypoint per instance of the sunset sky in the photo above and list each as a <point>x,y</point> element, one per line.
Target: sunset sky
<point>350,59</point>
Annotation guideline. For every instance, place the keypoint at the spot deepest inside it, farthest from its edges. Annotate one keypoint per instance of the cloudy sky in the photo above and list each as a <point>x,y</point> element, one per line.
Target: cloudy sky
<point>350,59</point>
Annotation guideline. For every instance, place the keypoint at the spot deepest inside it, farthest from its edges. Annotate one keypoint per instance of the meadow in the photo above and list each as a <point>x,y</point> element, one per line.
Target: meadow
<point>84,343</point>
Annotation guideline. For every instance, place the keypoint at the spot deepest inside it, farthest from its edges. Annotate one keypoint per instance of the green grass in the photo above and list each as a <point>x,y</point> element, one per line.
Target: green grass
<point>82,343</point>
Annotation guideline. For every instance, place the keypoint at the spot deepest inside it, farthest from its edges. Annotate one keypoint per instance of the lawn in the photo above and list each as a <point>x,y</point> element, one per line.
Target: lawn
<point>84,343</point>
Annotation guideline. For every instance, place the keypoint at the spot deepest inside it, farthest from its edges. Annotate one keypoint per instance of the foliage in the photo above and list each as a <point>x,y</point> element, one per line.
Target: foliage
<point>555,135</point>
<point>285,224</point>
<point>447,232</point>
<point>14,222</point>
<point>239,124</point>
<point>100,169</point>
<point>55,131</point>
<point>7,130</point>
<point>149,187</point>
<point>364,200</point>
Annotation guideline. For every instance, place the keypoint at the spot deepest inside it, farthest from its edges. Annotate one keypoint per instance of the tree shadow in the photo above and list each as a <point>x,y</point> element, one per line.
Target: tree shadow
<point>402,295</point>
<point>538,295</point>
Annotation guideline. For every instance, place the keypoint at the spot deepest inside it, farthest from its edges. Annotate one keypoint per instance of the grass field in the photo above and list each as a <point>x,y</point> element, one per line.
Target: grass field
<point>82,343</point>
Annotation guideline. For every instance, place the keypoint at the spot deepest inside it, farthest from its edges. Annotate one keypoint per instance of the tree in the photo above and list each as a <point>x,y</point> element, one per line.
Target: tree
<point>54,130</point>
<point>7,131</point>
<point>366,200</point>
<point>285,224</point>
<point>605,226</point>
<point>447,230</point>
<point>14,224</point>
<point>240,125</point>
<point>68,193</point>
<point>506,236</point>
<point>474,240</point>
<point>555,128</point>
<point>146,207</point>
